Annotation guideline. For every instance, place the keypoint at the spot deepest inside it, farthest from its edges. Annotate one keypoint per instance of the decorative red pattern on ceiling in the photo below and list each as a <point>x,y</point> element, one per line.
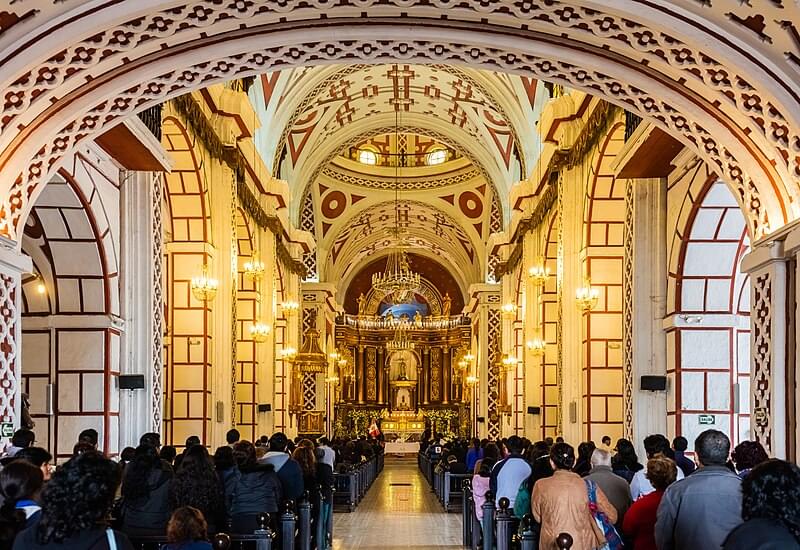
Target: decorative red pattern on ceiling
<point>268,83</point>
<point>303,128</point>
<point>429,269</point>
<point>530,88</point>
<point>470,204</point>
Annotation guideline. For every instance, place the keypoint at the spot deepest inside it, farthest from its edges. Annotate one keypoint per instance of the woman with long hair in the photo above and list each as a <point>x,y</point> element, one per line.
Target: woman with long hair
<point>75,506</point>
<point>746,456</point>
<point>625,463</point>
<point>561,503</point>
<point>250,489</point>
<point>20,483</point>
<point>145,494</point>
<point>197,485</point>
<point>770,509</point>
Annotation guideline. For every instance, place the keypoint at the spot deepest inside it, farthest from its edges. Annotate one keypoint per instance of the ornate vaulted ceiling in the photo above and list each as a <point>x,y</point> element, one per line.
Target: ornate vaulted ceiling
<point>319,120</point>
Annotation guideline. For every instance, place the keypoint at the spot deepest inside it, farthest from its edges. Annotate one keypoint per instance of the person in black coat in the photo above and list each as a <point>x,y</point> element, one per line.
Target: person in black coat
<point>145,494</point>
<point>197,485</point>
<point>251,488</point>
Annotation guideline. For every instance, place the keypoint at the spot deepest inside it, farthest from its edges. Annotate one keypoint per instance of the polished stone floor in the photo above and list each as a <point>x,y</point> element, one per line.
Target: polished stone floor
<point>399,511</point>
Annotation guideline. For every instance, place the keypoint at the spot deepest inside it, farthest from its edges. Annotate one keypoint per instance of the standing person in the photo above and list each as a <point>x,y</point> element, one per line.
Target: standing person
<point>474,454</point>
<point>625,463</point>
<point>584,463</point>
<point>250,489</point>
<point>232,437</point>
<point>288,470</point>
<point>197,485</point>
<point>75,505</point>
<point>561,504</point>
<point>20,483</point>
<point>329,457</point>
<point>614,487</point>
<point>326,483</point>
<point>605,444</point>
<point>640,520</point>
<point>679,446</point>
<point>145,494</point>
<point>39,457</point>
<point>653,445</point>
<point>770,509</point>
<point>510,473</point>
<point>187,530</point>
<point>90,437</point>
<point>701,510</point>
<point>480,485</point>
<point>22,439</point>
<point>747,455</point>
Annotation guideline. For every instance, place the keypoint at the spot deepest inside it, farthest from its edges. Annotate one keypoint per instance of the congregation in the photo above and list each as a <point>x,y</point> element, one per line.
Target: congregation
<point>153,491</point>
<point>604,497</point>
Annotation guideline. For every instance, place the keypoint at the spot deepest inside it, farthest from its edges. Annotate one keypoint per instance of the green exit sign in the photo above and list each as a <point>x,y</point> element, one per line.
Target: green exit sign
<point>706,419</point>
<point>6,429</point>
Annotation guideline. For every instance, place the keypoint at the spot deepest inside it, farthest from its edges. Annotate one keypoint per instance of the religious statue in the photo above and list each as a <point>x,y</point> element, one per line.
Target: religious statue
<point>446,302</point>
<point>362,304</point>
<point>418,319</point>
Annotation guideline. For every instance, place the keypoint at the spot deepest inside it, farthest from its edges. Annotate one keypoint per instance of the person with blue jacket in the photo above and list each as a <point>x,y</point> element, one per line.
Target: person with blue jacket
<point>289,471</point>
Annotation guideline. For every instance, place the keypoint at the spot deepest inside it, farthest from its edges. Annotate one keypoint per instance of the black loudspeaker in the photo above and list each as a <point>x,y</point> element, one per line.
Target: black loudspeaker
<point>264,407</point>
<point>481,419</point>
<point>131,381</point>
<point>534,410</point>
<point>654,383</point>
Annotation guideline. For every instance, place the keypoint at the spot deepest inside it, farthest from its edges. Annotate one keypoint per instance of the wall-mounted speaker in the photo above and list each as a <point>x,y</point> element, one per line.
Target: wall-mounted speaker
<point>534,410</point>
<point>131,381</point>
<point>653,383</point>
<point>264,407</point>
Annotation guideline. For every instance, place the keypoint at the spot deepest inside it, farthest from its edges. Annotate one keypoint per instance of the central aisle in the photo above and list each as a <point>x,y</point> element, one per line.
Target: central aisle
<point>398,512</point>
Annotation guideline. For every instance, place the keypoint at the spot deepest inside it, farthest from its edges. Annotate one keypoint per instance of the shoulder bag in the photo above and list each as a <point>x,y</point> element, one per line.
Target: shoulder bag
<point>607,536</point>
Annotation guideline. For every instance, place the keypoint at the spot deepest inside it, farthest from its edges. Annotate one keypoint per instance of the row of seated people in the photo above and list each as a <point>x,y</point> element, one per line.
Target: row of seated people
<point>145,495</point>
<point>723,500</point>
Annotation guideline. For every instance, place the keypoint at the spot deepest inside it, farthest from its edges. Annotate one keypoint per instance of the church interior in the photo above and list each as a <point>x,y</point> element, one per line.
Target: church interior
<point>399,218</point>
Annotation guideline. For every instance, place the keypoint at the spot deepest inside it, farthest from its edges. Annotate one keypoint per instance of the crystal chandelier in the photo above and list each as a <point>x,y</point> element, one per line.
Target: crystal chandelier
<point>397,281</point>
<point>204,287</point>
<point>259,332</point>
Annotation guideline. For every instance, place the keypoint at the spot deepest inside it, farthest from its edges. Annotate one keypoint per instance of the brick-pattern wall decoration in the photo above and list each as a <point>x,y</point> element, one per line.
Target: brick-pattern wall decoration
<point>603,369</point>
<point>549,327</point>
<point>245,382</point>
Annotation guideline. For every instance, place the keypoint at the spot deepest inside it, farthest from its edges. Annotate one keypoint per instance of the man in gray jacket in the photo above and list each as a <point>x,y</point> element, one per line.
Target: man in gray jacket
<point>613,486</point>
<point>699,511</point>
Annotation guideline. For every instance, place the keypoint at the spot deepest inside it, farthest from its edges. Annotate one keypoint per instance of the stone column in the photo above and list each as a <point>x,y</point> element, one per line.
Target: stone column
<point>644,306</point>
<point>769,317</point>
<point>446,375</point>
<point>141,304</point>
<point>425,378</point>
<point>12,265</point>
<point>484,310</point>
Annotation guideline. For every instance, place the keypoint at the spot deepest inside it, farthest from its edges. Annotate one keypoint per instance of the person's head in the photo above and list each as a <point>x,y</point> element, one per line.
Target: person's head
<point>748,454</point>
<point>90,436</point>
<point>82,447</point>
<point>127,455</point>
<point>196,458</point>
<point>772,491</point>
<point>192,440</point>
<point>626,454</point>
<point>486,467</point>
<point>305,457</point>
<point>549,441</point>
<point>585,450</point>
<point>223,458</point>
<point>39,457</point>
<point>324,441</point>
<point>680,444</point>
<point>244,454</point>
<point>601,458</point>
<point>606,440</point>
<point>305,442</point>
<point>562,456</point>
<point>278,442</point>
<point>476,443</point>
<point>656,444</point>
<point>23,438</point>
<point>20,480</point>
<point>187,524</point>
<point>78,496</point>
<point>661,471</point>
<point>712,448</point>
<point>451,459</point>
<point>491,451</point>
<point>145,461</point>
<point>515,445</point>
<point>232,436</point>
<point>559,439</point>
<point>151,438</point>
<point>168,454</point>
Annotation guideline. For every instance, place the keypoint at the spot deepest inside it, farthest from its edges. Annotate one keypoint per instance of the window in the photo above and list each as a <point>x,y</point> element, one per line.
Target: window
<point>365,156</point>
<point>437,156</point>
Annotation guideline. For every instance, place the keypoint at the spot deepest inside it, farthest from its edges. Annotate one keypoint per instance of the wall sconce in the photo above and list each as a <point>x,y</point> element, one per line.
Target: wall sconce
<point>254,268</point>
<point>259,332</point>
<point>463,364</point>
<point>40,286</point>
<point>587,297</point>
<point>332,380</point>
<point>204,287</point>
<point>509,361</point>
<point>509,309</point>
<point>539,274</point>
<point>288,353</point>
<point>290,307</point>
<point>469,357</point>
<point>536,346</point>
<point>472,380</point>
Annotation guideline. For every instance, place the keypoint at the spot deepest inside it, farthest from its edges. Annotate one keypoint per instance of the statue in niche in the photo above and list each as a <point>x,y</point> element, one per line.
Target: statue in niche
<point>362,304</point>
<point>403,375</point>
<point>418,319</point>
<point>446,303</point>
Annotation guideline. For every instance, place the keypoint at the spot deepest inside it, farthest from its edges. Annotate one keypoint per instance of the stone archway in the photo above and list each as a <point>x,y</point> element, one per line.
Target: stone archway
<point>73,72</point>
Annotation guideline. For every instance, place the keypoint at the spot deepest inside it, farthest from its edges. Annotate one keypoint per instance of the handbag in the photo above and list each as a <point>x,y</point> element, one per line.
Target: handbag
<point>522,504</point>
<point>604,530</point>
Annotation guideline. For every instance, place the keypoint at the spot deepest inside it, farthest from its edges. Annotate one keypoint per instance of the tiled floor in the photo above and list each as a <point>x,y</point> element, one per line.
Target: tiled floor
<point>400,511</point>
